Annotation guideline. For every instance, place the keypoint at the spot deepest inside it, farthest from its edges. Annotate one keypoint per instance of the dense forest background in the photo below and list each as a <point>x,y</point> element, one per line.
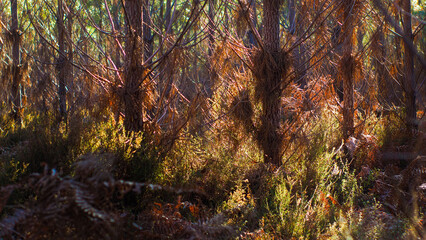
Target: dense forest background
<point>212,119</point>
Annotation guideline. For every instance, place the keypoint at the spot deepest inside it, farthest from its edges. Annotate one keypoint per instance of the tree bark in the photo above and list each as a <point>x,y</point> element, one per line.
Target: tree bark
<point>147,35</point>
<point>270,137</point>
<point>166,68</point>
<point>117,26</point>
<point>211,14</point>
<point>253,16</point>
<point>133,70</point>
<point>292,16</point>
<point>384,92</point>
<point>296,28</point>
<point>70,53</point>
<point>16,67</point>
<point>61,62</point>
<point>44,80</point>
<point>98,5</point>
<point>409,81</point>
<point>347,67</point>
<point>271,25</point>
<point>208,83</point>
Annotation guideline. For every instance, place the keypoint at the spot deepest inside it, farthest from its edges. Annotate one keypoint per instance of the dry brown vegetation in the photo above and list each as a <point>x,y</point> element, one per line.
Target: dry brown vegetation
<point>213,119</point>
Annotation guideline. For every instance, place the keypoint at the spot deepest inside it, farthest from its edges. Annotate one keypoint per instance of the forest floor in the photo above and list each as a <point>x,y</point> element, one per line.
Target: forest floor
<point>58,184</point>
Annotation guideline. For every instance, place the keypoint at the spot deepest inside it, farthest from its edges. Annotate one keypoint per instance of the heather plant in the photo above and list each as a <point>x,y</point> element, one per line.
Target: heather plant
<point>370,223</point>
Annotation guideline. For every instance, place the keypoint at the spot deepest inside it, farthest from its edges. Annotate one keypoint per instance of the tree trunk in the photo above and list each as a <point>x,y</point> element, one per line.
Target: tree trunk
<point>226,14</point>
<point>271,25</point>
<point>16,67</point>
<point>61,62</point>
<point>45,80</point>
<point>251,37</point>
<point>384,95</point>
<point>166,68</point>
<point>347,67</point>
<point>116,19</point>
<point>147,35</point>
<point>133,70</point>
<point>292,15</point>
<point>396,85</point>
<point>296,28</point>
<point>269,136</point>
<point>211,26</point>
<point>70,54</point>
<point>98,5</point>
<point>409,81</point>
<point>208,84</point>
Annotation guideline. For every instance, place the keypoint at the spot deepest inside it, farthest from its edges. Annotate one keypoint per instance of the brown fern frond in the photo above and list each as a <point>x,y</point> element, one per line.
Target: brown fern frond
<point>8,224</point>
<point>88,208</point>
<point>169,224</point>
<point>5,194</point>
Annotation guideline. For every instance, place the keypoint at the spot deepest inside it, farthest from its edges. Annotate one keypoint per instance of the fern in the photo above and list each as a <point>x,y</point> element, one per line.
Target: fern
<point>8,224</point>
<point>85,206</point>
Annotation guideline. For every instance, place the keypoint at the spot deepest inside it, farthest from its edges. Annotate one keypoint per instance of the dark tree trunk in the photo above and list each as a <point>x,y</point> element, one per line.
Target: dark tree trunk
<point>39,81</point>
<point>251,37</point>
<point>409,81</point>
<point>98,5</point>
<point>385,93</point>
<point>208,83</point>
<point>16,67</point>
<point>162,37</point>
<point>70,55</point>
<point>211,14</point>
<point>292,16</point>
<point>271,25</point>
<point>299,53</point>
<point>396,86</point>
<point>347,67</point>
<point>226,6</point>
<point>270,137</point>
<point>168,12</point>
<point>147,35</point>
<point>117,26</point>
<point>61,62</point>
<point>166,71</point>
<point>336,39</point>
<point>378,62</point>
<point>133,70</point>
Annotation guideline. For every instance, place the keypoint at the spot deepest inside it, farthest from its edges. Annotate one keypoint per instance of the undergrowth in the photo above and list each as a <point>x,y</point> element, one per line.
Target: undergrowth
<point>200,188</point>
